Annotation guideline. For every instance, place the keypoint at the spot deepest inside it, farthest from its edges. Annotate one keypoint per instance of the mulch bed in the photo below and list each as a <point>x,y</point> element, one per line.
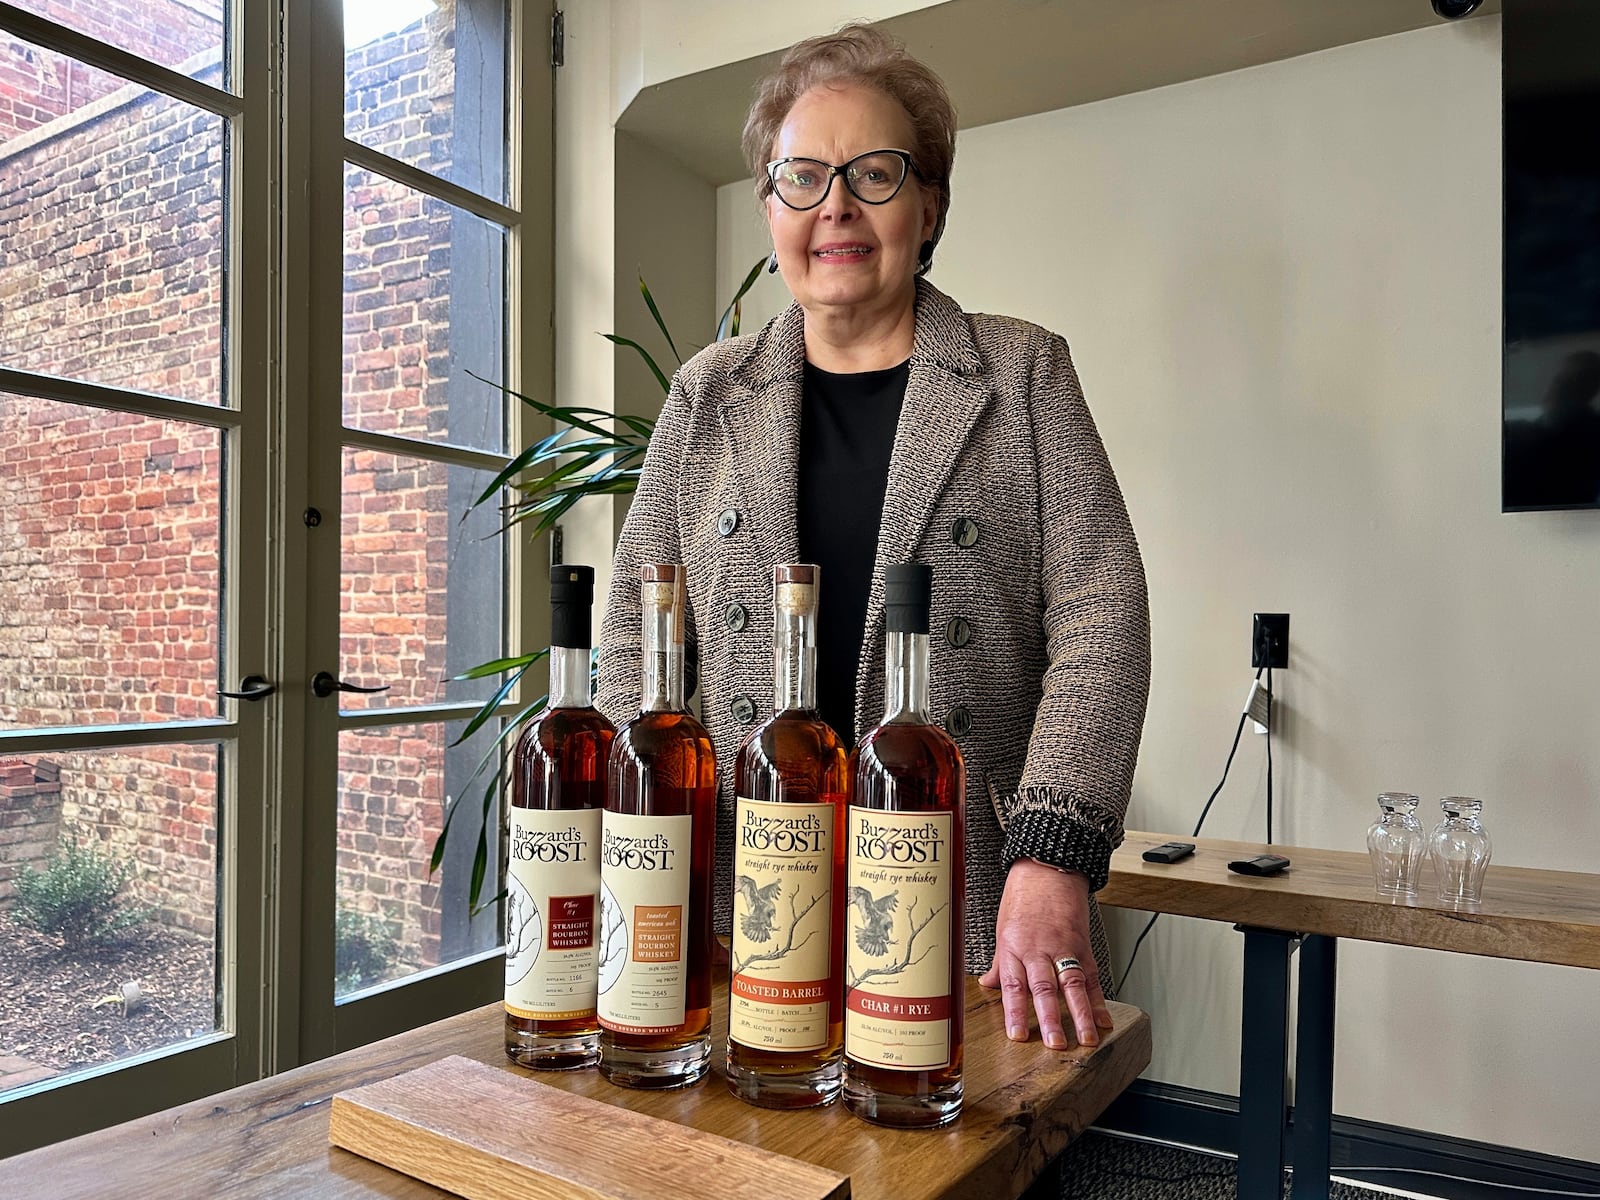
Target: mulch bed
<point>48,996</point>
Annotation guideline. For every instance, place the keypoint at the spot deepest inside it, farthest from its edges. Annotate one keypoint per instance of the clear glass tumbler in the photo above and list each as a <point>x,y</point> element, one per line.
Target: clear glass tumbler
<point>1460,848</point>
<point>1395,842</point>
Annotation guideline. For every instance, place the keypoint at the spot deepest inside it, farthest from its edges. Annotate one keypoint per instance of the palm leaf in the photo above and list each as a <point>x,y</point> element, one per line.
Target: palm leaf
<point>643,426</point>
<point>476,908</point>
<point>618,339</point>
<point>482,670</point>
<point>650,303</point>
<point>732,311</point>
<point>487,710</point>
<point>583,463</point>
<point>604,463</point>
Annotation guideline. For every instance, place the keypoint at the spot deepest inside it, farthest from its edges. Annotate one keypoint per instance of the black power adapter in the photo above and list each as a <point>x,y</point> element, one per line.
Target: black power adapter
<point>1269,641</point>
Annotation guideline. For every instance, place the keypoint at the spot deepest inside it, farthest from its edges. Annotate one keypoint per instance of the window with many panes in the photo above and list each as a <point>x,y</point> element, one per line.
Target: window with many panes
<point>250,369</point>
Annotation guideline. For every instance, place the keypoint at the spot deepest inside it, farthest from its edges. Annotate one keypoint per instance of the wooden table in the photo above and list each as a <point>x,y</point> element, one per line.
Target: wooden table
<point>1532,915</point>
<point>1023,1105</point>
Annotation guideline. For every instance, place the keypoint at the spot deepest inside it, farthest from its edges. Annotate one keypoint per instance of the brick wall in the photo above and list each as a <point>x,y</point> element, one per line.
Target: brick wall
<point>30,819</point>
<point>39,85</point>
<point>396,521</point>
<point>109,525</point>
<point>111,267</point>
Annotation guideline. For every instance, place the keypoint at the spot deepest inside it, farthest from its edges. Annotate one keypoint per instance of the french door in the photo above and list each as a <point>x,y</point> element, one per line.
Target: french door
<point>264,267</point>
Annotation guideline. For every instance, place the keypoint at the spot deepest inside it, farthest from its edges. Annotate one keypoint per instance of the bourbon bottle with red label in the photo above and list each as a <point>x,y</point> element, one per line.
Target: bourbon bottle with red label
<point>905,890</point>
<point>558,784</point>
<point>785,996</point>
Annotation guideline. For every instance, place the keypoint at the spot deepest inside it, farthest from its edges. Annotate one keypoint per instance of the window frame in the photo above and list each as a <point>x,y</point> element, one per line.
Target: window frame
<point>275,851</point>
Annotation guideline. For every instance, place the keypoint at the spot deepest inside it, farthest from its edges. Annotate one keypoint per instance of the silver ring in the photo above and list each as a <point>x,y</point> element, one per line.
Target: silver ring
<point>1068,963</point>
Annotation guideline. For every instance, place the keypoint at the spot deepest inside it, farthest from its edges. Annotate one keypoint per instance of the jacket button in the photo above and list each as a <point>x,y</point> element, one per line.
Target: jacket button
<point>958,632</point>
<point>737,617</point>
<point>964,532</point>
<point>958,722</point>
<point>743,709</point>
<point>728,521</point>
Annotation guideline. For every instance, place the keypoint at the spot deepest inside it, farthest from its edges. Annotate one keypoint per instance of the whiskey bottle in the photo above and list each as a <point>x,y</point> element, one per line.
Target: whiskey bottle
<point>558,781</point>
<point>785,997</point>
<point>657,839</point>
<point>905,884</point>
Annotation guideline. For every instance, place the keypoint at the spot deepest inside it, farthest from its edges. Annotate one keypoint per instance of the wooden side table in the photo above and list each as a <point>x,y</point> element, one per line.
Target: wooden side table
<point>1531,915</point>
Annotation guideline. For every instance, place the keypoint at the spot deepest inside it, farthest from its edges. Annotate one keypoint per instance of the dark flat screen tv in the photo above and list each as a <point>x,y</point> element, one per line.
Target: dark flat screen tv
<point>1551,366</point>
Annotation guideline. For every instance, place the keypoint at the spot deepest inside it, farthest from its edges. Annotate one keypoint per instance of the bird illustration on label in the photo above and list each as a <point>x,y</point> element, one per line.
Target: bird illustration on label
<point>762,905</point>
<point>877,919</point>
<point>872,935</point>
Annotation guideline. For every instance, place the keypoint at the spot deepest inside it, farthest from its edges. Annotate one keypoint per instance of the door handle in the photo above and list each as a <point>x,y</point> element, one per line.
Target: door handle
<point>323,685</point>
<point>251,687</point>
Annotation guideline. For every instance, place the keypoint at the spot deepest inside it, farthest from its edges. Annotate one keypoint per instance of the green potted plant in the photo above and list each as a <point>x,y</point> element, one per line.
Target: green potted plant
<point>591,453</point>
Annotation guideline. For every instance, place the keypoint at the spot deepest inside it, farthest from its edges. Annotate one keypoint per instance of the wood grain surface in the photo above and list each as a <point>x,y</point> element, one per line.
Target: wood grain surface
<point>1023,1105</point>
<point>545,1144</point>
<point>1533,915</point>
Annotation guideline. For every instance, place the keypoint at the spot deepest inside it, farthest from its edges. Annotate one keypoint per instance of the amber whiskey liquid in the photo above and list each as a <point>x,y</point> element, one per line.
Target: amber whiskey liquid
<point>558,784</point>
<point>785,994</point>
<point>657,842</point>
<point>905,883</point>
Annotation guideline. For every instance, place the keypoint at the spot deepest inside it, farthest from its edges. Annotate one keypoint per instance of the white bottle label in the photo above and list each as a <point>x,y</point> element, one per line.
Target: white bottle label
<point>552,893</point>
<point>644,916</point>
<point>898,939</point>
<point>782,921</point>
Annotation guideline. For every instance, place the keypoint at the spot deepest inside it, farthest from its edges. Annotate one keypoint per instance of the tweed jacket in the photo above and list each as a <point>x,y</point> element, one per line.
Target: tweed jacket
<point>998,480</point>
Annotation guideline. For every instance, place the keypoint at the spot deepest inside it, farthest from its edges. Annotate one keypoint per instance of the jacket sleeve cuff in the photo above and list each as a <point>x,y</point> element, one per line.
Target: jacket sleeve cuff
<point>1059,841</point>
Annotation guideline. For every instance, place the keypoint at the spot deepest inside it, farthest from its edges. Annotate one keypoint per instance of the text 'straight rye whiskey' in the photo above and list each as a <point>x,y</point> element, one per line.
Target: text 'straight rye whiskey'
<point>785,997</point>
<point>656,847</point>
<point>558,786</point>
<point>905,889</point>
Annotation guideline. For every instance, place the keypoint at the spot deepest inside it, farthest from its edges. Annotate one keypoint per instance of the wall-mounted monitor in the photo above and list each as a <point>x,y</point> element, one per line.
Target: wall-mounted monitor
<point>1551,392</point>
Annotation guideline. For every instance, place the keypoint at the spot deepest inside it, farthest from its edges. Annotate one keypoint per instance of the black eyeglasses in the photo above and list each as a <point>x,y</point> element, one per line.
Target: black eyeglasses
<point>875,177</point>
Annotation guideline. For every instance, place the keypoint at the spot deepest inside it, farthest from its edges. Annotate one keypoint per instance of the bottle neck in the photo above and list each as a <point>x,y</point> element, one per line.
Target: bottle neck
<point>794,661</point>
<point>569,677</point>
<point>662,662</point>
<point>906,681</point>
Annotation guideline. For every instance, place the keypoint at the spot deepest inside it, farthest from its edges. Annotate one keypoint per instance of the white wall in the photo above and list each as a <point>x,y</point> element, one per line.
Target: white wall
<point>680,37</point>
<point>585,181</point>
<point>1282,289</point>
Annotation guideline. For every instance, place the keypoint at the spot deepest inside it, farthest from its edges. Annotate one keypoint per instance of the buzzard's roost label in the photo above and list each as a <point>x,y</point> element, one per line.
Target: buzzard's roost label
<point>782,925</point>
<point>644,905</point>
<point>898,938</point>
<point>552,883</point>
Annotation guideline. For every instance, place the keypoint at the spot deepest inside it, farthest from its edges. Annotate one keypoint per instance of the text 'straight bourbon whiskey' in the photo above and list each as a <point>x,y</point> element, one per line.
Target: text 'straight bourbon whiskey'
<point>785,1000</point>
<point>905,885</point>
<point>656,846</point>
<point>558,787</point>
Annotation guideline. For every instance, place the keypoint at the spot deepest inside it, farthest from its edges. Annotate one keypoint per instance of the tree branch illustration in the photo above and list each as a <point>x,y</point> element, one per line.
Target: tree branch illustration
<point>521,913</point>
<point>906,961</point>
<point>789,946</point>
<point>611,941</point>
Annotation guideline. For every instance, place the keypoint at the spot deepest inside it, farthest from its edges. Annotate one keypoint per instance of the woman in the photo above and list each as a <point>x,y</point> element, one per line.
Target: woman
<point>874,422</point>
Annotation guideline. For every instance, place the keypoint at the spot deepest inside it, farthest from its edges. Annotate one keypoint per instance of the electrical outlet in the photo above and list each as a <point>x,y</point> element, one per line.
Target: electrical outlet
<point>1269,641</point>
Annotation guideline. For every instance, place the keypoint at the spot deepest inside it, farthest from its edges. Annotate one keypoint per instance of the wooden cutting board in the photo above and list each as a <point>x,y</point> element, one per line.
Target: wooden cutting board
<point>490,1134</point>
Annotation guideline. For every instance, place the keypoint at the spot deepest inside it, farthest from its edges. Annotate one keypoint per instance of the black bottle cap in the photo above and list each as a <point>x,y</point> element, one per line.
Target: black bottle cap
<point>571,605</point>
<point>907,597</point>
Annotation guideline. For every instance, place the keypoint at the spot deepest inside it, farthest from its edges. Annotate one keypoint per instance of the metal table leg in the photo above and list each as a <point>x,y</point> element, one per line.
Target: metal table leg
<point>1263,1061</point>
<point>1313,1072</point>
<point>1048,1184</point>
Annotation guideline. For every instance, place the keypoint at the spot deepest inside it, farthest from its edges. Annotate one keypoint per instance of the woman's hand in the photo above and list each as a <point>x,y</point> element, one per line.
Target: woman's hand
<point>1044,916</point>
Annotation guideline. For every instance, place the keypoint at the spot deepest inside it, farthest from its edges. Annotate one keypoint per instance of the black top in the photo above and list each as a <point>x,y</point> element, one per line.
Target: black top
<point>847,425</point>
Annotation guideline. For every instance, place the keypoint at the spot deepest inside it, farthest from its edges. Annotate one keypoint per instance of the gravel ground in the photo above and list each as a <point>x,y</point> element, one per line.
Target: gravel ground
<point>54,1008</point>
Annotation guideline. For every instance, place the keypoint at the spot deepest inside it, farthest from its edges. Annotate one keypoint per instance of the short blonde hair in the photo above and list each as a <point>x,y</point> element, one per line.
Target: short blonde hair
<point>866,55</point>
